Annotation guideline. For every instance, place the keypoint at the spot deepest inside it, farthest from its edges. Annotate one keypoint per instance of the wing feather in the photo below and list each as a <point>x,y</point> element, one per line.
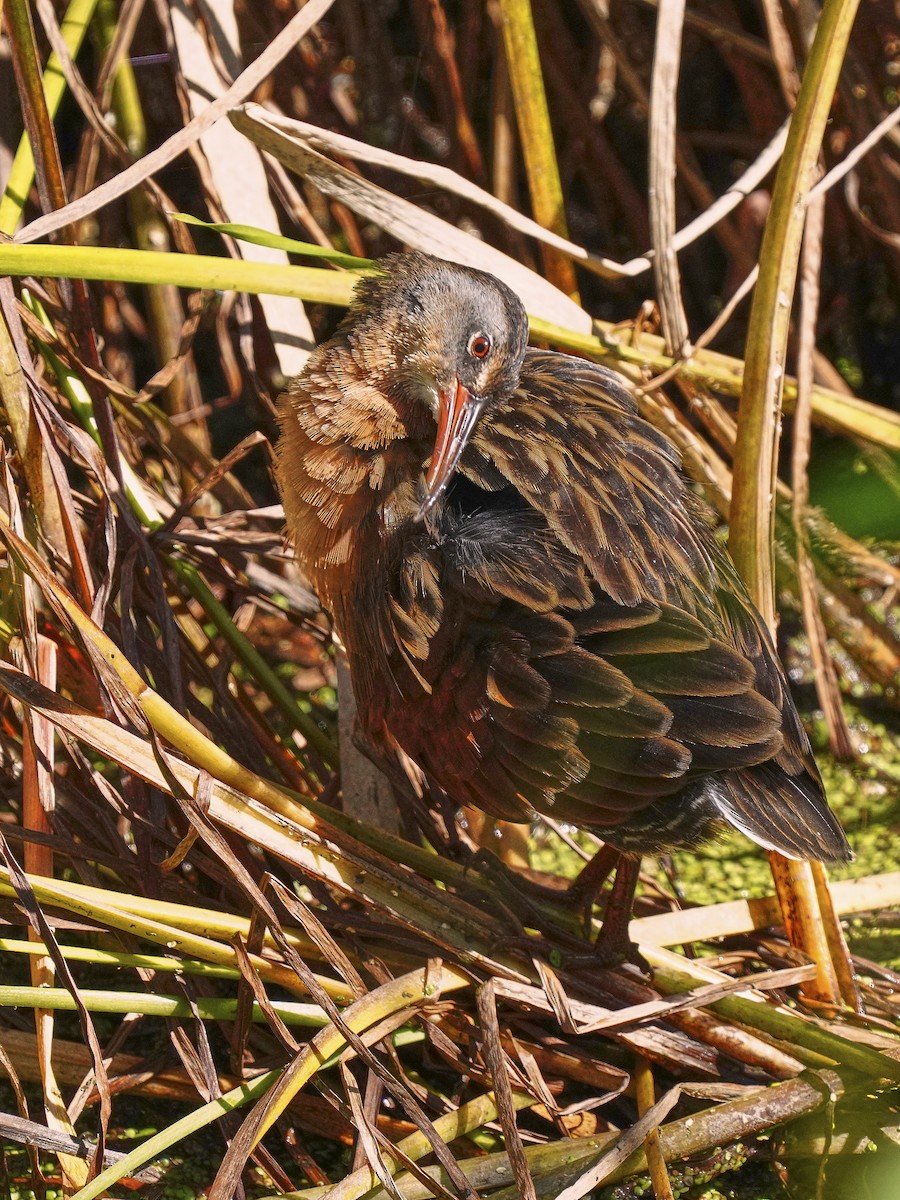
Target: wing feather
<point>567,635</point>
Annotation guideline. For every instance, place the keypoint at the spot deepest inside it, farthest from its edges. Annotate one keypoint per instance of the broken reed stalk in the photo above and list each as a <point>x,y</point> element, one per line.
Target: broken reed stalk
<point>673,975</point>
<point>645,1092</point>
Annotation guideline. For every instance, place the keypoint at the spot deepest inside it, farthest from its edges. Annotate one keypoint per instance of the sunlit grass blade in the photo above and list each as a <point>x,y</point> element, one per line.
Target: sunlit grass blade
<point>276,241</point>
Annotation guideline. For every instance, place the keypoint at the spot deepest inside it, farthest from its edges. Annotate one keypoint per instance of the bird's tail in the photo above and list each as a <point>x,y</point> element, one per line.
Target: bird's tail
<point>781,812</point>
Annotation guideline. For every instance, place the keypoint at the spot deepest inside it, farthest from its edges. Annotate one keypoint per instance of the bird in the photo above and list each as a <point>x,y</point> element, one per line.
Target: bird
<point>532,597</point>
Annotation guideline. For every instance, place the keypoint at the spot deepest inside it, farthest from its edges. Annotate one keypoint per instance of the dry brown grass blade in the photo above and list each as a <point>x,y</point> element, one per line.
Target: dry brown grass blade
<point>663,114</point>
<point>411,225</point>
<point>496,1062</point>
<point>247,81</point>
<point>237,174</point>
<point>364,1013</point>
<point>289,832</point>
<point>435,174</point>
<point>653,1009</point>
<point>367,1140</point>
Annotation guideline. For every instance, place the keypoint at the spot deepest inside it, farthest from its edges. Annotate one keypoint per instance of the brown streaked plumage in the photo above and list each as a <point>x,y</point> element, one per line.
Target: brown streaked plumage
<point>533,603</point>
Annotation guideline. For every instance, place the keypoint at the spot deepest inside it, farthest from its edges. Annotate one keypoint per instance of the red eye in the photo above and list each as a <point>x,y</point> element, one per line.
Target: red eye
<point>479,345</point>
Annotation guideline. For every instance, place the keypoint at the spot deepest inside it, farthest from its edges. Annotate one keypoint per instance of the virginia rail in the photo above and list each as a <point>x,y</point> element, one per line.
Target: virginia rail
<point>533,602</point>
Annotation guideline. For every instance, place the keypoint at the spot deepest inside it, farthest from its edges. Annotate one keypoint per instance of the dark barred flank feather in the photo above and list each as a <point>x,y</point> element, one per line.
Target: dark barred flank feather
<point>546,622</point>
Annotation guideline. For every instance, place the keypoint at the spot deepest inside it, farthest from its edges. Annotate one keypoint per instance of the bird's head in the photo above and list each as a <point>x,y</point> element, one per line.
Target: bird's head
<point>450,342</point>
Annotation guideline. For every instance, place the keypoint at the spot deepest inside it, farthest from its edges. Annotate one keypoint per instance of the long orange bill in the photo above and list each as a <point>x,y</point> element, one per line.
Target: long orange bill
<point>457,416</point>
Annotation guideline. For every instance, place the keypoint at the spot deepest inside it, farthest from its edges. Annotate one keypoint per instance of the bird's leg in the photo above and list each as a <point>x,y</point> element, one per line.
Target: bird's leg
<point>613,944</point>
<point>590,879</point>
<point>594,874</point>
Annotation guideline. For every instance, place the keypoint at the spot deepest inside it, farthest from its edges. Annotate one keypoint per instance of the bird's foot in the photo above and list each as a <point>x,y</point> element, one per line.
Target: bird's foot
<point>615,951</point>
<point>607,954</point>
